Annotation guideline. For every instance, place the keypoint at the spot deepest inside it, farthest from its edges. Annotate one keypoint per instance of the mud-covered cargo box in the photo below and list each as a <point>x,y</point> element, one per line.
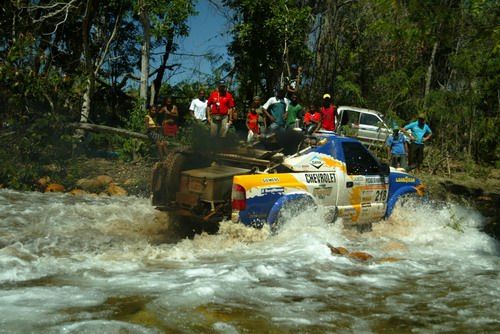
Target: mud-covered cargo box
<point>210,184</point>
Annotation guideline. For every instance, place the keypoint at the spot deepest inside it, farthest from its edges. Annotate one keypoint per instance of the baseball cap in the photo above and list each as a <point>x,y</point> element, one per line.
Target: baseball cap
<point>222,83</point>
<point>421,115</point>
<point>327,96</point>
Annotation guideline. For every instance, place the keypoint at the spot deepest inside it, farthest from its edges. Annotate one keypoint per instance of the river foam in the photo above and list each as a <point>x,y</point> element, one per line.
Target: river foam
<point>72,264</point>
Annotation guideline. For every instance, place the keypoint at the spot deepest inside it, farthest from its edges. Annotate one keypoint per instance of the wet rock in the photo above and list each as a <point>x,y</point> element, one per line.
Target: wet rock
<point>78,192</point>
<point>43,182</point>
<point>360,256</point>
<point>104,180</point>
<point>115,190</point>
<point>338,250</point>
<point>90,185</point>
<point>54,188</point>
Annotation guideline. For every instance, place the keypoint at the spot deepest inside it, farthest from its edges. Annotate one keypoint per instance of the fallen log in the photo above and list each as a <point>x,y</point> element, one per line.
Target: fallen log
<point>108,129</point>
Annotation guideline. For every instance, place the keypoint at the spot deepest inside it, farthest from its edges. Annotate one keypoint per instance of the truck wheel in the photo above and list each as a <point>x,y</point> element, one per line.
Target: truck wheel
<point>406,200</point>
<point>166,178</point>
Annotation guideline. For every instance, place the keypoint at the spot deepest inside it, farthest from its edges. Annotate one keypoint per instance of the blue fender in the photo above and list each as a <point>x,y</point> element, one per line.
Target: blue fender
<point>394,198</point>
<point>273,213</point>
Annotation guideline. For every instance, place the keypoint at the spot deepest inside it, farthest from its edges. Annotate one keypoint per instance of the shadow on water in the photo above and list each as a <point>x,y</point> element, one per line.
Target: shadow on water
<point>177,228</point>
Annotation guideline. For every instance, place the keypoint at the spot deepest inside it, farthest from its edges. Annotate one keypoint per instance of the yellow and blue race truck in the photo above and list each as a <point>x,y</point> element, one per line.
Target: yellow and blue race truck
<point>256,187</point>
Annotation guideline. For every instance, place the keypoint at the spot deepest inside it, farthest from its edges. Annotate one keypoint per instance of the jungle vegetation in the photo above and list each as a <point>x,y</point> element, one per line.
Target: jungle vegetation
<point>92,61</point>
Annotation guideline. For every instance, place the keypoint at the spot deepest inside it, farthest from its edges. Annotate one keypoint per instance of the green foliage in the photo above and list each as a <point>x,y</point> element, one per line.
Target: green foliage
<point>261,30</point>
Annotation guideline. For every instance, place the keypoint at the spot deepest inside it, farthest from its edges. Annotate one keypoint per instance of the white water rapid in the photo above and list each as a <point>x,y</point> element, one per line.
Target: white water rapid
<point>115,265</point>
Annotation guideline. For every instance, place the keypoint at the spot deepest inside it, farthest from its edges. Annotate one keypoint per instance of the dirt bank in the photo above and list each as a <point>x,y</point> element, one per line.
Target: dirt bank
<point>481,193</point>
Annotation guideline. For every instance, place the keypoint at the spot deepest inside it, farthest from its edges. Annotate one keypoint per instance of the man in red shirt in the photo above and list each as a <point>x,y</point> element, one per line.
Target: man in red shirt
<point>220,105</point>
<point>312,119</point>
<point>328,114</point>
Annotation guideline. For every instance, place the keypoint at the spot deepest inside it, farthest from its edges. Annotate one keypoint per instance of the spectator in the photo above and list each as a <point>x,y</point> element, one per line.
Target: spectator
<point>260,111</point>
<point>276,110</point>
<point>328,113</point>
<point>312,119</point>
<point>294,80</point>
<point>397,149</point>
<point>252,124</point>
<point>220,104</point>
<point>419,133</point>
<point>154,132</point>
<point>198,107</point>
<point>294,112</point>
<point>170,117</point>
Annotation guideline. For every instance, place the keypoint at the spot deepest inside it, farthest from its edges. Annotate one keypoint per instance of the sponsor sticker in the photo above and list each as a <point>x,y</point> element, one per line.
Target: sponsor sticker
<point>320,178</point>
<point>270,179</point>
<point>405,179</point>
<point>273,190</point>
<point>374,180</point>
<point>316,162</point>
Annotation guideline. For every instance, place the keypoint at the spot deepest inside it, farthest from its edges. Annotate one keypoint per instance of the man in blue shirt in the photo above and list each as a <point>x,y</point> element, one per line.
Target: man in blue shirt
<point>397,149</point>
<point>419,133</point>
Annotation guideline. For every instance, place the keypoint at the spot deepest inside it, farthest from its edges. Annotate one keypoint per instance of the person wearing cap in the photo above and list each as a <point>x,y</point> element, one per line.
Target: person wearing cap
<point>397,148</point>
<point>220,106</point>
<point>328,113</point>
<point>198,107</point>
<point>419,133</point>
<point>275,109</point>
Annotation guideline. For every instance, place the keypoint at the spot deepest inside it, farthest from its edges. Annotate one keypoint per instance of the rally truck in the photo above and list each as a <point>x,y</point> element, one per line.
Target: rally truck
<point>256,187</point>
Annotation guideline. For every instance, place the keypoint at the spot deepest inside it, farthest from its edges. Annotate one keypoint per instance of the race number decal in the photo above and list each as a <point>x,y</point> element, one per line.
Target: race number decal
<point>380,195</point>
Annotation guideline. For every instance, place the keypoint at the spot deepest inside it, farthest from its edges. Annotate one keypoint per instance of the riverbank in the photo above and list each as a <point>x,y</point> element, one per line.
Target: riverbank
<point>482,194</point>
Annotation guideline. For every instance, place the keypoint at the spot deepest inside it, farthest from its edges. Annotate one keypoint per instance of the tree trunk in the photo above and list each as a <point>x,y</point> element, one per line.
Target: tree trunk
<point>90,81</point>
<point>161,70</point>
<point>144,17</point>
<point>428,77</point>
<point>108,129</point>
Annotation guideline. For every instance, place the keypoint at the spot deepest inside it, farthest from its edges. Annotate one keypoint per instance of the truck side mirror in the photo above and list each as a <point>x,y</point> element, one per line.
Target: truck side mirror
<point>385,169</point>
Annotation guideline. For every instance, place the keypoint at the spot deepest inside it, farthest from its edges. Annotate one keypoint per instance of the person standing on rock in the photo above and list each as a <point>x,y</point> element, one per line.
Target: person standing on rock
<point>328,114</point>
<point>419,133</point>
<point>198,107</point>
<point>170,115</point>
<point>275,109</point>
<point>220,109</point>
<point>397,149</point>
<point>154,131</point>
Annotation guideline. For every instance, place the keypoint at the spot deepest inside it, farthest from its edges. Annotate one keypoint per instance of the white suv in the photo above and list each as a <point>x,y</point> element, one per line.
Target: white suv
<point>368,126</point>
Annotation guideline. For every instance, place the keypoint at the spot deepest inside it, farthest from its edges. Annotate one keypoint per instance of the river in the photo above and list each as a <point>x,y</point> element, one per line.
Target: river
<point>115,265</point>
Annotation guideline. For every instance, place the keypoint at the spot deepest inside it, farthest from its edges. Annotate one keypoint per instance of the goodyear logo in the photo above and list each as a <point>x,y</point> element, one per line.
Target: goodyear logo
<point>405,179</point>
<point>320,178</point>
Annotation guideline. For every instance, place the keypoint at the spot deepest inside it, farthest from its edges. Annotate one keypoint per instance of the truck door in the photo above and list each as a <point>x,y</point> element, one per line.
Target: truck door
<point>372,128</point>
<point>363,191</point>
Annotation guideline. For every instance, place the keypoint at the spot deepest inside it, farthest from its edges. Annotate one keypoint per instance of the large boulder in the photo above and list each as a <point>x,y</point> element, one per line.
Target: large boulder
<point>90,185</point>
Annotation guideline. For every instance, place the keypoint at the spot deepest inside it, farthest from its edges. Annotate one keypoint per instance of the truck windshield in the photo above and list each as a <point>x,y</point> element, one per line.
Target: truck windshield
<point>358,160</point>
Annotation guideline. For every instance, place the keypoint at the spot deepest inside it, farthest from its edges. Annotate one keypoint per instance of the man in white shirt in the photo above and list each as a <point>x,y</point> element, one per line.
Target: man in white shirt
<point>198,107</point>
<point>276,110</point>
